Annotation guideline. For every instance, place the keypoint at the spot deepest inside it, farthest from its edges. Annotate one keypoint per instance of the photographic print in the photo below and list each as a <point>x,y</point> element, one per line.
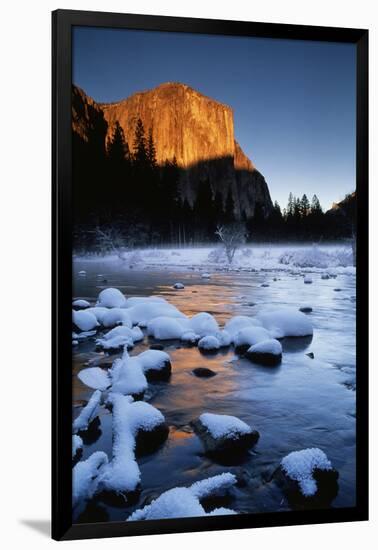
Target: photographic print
<point>214,253</point>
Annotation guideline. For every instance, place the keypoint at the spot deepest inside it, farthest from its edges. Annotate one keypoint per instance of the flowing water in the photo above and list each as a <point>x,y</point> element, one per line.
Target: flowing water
<point>302,403</point>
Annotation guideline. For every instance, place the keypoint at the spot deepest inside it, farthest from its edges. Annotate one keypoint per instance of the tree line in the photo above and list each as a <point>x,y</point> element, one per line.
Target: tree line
<point>119,187</point>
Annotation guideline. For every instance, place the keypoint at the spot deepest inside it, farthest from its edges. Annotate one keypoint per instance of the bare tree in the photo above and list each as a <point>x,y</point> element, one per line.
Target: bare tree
<point>232,236</point>
<point>110,239</point>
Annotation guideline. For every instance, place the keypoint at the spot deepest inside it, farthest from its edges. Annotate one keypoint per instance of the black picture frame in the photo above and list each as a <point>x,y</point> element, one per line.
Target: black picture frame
<point>62,23</point>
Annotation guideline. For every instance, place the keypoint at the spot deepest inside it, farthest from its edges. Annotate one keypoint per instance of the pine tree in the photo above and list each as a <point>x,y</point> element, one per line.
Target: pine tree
<point>304,206</point>
<point>118,150</point>
<point>290,205</point>
<point>140,148</point>
<point>315,206</point>
<point>151,150</point>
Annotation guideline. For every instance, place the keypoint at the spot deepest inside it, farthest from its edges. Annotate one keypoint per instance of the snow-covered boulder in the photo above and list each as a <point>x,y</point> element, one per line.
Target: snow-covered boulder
<point>95,378</point>
<point>307,280</point>
<point>147,309</point>
<point>224,338</point>
<point>116,316</point>
<point>268,352</point>
<point>190,337</point>
<point>165,328</point>
<point>223,434</point>
<point>111,297</point>
<point>128,377</point>
<point>249,336</point>
<point>307,475</point>
<point>85,477</point>
<point>178,286</point>
<point>209,344</point>
<point>156,364</point>
<point>84,320</point>
<point>88,413</point>
<point>325,276</point>
<point>206,275</point>
<point>117,339</point>
<point>204,324</point>
<point>286,322</point>
<point>77,448</point>
<point>80,304</point>
<point>99,312</point>
<point>181,502</point>
<point>138,335</point>
<point>131,421</point>
<point>238,322</point>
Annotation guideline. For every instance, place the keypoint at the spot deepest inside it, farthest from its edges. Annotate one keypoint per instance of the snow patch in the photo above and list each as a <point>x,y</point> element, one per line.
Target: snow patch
<point>300,466</point>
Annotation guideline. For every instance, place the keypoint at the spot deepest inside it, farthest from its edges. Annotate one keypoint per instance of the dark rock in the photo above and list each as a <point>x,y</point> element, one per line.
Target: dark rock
<point>268,359</point>
<point>158,347</point>
<point>164,373</point>
<point>92,433</point>
<point>203,372</point>
<point>310,355</point>
<point>337,289</point>
<point>327,485</point>
<point>305,309</point>
<point>148,441</point>
<point>239,443</point>
<point>119,499</point>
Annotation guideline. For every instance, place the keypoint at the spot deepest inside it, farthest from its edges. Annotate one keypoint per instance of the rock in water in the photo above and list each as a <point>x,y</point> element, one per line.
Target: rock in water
<point>307,478</point>
<point>224,435</point>
<point>203,372</point>
<point>180,118</point>
<point>267,352</point>
<point>305,309</point>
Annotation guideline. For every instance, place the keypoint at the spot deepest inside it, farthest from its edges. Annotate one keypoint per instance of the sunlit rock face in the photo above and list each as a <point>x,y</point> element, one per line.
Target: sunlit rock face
<point>196,130</point>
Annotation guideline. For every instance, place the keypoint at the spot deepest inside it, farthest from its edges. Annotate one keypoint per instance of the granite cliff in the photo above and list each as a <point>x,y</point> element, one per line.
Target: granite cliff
<point>197,130</point>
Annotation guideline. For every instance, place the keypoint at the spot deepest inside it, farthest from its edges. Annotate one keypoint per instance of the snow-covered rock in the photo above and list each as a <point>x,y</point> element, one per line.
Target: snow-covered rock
<point>204,324</point>
<point>181,502</point>
<point>308,472</point>
<point>223,434</point>
<point>77,446</point>
<point>307,280</point>
<point>209,343</point>
<point>190,337</point>
<point>116,316</point>
<point>95,378</point>
<point>111,297</point>
<point>249,336</point>
<point>130,419</point>
<point>178,286</point>
<point>147,309</point>
<point>224,338</point>
<point>267,352</point>
<point>238,322</point>
<point>85,477</point>
<point>156,364</point>
<point>137,334</point>
<point>206,276</point>
<point>80,304</point>
<point>128,377</point>
<point>166,328</point>
<point>286,322</point>
<point>88,413</point>
<point>84,320</point>
<point>117,339</point>
<point>99,312</point>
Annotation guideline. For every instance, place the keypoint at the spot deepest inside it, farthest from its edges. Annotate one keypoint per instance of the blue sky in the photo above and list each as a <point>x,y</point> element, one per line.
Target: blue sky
<point>293,101</point>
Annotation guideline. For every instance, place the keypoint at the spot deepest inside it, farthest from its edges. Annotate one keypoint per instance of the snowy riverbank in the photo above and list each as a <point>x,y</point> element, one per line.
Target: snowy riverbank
<point>337,258</point>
